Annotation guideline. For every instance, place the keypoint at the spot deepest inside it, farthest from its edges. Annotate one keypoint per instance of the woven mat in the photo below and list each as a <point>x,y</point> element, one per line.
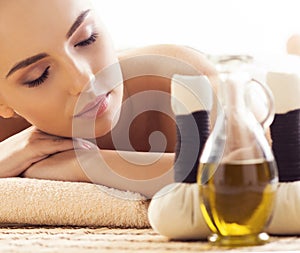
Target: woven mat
<point>85,240</point>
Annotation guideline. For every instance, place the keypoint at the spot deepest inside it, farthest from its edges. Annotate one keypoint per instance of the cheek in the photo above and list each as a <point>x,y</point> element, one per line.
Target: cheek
<point>48,119</point>
<point>35,107</point>
<point>19,102</point>
<point>35,113</point>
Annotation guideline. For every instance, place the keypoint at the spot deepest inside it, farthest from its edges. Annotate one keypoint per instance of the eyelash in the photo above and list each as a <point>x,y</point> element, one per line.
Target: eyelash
<point>45,75</point>
<point>89,41</point>
<point>39,80</point>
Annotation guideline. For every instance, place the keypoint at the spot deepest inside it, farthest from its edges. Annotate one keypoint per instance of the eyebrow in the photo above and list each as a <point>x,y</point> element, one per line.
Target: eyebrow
<point>26,62</point>
<point>22,64</point>
<point>77,23</point>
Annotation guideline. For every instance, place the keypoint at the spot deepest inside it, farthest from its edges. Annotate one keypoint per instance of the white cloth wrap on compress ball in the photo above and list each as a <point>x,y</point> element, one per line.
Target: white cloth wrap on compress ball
<point>190,94</point>
<point>286,90</point>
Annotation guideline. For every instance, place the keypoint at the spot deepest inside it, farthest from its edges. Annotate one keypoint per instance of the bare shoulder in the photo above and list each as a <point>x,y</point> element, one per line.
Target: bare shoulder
<point>173,58</point>
<point>152,67</point>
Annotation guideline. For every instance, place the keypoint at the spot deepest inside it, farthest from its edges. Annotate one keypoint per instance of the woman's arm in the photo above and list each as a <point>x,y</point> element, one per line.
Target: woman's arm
<point>134,171</point>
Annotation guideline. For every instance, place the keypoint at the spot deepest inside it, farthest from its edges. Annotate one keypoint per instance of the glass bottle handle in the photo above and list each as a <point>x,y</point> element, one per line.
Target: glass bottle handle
<point>266,122</point>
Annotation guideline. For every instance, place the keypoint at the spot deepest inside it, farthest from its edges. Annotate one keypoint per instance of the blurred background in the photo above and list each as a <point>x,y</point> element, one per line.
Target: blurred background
<point>256,27</point>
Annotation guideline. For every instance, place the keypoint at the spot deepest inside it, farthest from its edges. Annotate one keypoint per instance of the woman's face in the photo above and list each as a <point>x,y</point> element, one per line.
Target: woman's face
<point>50,53</point>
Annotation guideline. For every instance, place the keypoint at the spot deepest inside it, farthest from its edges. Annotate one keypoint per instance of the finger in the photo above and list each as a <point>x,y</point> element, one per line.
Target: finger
<point>83,144</point>
<point>49,146</point>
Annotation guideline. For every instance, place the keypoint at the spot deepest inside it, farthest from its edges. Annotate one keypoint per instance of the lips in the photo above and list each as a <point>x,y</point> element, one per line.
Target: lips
<point>95,108</point>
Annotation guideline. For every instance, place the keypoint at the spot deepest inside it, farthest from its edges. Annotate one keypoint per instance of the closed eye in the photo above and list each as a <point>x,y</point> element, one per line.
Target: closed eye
<point>38,81</point>
<point>88,41</point>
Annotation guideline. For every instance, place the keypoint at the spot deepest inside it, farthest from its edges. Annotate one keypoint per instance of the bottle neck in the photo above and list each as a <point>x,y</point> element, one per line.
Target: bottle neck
<point>232,91</point>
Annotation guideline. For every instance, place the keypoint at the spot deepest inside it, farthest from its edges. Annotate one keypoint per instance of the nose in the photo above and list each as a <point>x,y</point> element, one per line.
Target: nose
<point>80,75</point>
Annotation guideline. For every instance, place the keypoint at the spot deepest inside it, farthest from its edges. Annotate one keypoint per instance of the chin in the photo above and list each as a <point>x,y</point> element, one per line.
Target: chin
<point>106,124</point>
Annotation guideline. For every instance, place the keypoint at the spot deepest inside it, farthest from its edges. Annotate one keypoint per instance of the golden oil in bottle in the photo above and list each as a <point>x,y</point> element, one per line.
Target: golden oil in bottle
<point>237,199</point>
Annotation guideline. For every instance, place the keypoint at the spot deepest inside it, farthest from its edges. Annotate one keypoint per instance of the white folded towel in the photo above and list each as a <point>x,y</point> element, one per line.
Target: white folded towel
<point>46,202</point>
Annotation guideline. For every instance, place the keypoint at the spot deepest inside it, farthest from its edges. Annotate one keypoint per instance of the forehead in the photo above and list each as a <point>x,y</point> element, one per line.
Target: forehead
<point>27,27</point>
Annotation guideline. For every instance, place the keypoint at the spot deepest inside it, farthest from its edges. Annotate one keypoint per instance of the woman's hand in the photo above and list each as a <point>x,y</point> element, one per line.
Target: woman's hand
<point>20,151</point>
